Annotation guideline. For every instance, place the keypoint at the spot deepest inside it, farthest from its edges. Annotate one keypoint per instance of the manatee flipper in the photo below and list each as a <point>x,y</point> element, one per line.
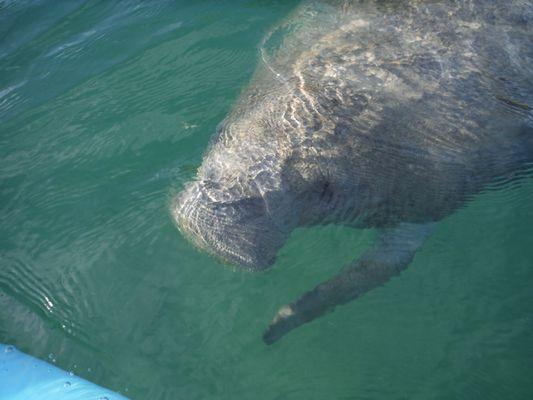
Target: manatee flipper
<point>391,254</point>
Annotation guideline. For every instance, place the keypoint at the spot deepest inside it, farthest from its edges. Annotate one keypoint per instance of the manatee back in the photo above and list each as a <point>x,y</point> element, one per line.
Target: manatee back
<point>418,103</point>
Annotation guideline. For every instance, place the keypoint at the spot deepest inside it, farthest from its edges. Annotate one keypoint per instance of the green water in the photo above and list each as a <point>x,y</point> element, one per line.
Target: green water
<point>105,111</point>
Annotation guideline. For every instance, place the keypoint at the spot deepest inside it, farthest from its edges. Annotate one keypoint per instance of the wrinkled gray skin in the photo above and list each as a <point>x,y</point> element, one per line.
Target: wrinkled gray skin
<point>386,115</point>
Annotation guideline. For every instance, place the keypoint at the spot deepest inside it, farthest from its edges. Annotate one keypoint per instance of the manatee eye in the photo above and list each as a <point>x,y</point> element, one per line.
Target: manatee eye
<point>326,192</point>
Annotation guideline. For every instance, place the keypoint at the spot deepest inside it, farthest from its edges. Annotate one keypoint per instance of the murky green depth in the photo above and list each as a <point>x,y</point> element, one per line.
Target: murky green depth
<point>105,110</point>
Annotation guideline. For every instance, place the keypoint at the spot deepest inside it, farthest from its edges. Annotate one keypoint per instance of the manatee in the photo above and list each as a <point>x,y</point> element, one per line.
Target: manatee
<point>369,114</point>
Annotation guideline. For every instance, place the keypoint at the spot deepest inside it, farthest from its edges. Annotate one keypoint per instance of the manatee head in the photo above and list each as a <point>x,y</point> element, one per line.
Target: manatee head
<point>274,165</point>
<point>239,207</point>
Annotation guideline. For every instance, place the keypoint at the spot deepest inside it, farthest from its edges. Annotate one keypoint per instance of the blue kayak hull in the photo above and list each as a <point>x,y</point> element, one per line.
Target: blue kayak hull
<point>23,377</point>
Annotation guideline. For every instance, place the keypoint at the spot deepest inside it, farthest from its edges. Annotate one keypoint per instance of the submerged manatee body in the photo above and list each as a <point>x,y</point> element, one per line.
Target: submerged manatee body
<point>373,115</point>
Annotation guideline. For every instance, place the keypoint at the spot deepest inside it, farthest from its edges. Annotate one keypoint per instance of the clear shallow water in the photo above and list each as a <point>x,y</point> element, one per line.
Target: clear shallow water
<point>105,110</point>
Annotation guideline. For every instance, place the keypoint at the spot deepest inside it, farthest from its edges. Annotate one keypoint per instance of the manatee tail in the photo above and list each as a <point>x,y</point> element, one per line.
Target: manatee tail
<point>391,254</point>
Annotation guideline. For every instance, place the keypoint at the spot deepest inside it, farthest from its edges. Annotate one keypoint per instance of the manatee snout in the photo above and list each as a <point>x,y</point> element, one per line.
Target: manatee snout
<point>236,229</point>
